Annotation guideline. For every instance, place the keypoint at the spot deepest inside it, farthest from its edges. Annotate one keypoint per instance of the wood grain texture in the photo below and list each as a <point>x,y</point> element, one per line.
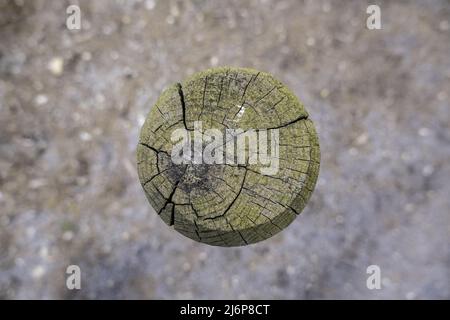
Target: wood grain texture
<point>228,204</point>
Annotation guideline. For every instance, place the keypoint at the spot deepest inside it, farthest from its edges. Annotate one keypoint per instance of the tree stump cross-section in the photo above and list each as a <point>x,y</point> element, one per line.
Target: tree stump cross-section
<point>235,200</point>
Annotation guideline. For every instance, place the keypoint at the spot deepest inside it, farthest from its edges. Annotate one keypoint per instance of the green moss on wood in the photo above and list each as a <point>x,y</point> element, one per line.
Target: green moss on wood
<point>228,205</point>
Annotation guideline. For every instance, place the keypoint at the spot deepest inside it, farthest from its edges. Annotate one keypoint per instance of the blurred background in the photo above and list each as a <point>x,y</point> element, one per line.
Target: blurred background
<point>72,103</point>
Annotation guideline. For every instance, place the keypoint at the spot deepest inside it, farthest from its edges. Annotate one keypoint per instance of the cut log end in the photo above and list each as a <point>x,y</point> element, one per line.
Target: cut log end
<point>202,169</point>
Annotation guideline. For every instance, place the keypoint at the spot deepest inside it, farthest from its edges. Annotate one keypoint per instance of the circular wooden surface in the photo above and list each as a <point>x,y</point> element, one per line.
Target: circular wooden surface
<point>230,203</point>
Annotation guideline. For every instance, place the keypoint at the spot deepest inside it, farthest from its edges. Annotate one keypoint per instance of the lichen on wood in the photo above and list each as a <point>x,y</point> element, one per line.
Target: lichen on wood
<point>228,204</point>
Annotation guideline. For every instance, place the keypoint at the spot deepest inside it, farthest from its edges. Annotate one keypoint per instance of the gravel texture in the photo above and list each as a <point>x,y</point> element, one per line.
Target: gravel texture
<point>72,104</point>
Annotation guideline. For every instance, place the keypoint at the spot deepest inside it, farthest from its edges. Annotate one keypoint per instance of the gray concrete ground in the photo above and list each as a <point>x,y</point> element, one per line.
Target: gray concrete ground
<point>72,102</point>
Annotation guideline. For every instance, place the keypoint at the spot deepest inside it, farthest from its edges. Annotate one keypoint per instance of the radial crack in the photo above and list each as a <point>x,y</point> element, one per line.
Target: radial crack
<point>183,105</point>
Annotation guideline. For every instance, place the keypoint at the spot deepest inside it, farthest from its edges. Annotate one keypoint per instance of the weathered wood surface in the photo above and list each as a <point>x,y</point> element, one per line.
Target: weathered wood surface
<point>224,204</point>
